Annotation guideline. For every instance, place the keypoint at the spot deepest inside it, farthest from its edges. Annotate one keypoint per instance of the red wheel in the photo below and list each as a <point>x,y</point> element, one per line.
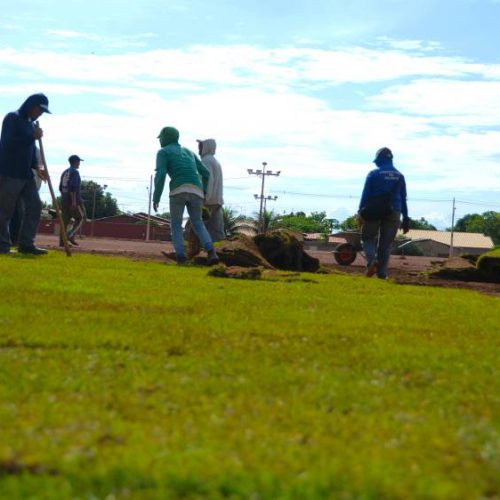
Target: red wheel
<point>345,254</point>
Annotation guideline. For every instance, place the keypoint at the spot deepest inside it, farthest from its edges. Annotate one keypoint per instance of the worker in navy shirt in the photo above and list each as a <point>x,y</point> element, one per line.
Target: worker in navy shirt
<point>17,158</point>
<point>378,234</point>
<point>71,200</point>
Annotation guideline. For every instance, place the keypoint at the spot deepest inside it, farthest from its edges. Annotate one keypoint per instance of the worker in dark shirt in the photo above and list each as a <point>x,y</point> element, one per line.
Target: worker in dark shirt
<point>17,159</point>
<point>71,200</point>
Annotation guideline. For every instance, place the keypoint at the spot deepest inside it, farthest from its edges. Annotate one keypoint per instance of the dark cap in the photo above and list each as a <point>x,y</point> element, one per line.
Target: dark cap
<point>74,158</point>
<point>42,101</point>
<point>35,100</point>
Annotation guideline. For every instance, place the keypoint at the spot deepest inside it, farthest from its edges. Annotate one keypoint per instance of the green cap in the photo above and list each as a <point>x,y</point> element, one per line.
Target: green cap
<point>168,135</point>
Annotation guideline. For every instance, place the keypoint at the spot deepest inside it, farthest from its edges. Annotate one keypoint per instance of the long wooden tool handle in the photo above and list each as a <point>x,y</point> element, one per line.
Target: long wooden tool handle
<point>54,200</point>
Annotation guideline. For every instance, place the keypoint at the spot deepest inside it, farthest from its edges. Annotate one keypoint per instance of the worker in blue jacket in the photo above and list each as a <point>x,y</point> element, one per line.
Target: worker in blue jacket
<point>17,159</point>
<point>382,203</point>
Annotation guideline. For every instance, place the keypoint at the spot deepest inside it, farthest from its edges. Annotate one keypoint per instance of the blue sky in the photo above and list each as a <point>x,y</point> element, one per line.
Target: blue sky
<point>311,88</point>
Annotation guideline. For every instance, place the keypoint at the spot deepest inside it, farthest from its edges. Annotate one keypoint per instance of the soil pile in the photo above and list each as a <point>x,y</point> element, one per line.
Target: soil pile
<point>462,269</point>
<point>279,249</point>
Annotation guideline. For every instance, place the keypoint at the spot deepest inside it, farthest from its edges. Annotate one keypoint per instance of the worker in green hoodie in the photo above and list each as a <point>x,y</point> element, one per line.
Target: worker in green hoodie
<point>188,186</point>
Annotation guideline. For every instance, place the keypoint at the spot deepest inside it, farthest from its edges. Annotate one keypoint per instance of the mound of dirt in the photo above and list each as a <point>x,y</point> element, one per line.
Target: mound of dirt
<point>285,250</point>
<point>461,269</point>
<point>237,272</point>
<point>279,249</point>
<point>243,252</point>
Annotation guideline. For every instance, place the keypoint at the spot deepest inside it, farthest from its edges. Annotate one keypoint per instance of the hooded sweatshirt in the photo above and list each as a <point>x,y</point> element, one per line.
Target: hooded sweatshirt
<point>17,143</point>
<point>214,189</point>
<point>386,179</point>
<point>182,166</point>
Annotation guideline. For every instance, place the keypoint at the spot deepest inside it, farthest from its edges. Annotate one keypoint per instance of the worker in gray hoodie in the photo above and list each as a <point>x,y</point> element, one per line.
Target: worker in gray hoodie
<point>213,198</point>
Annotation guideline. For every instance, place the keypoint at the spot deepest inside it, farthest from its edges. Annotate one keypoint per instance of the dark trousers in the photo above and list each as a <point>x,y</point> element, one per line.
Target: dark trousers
<point>11,192</point>
<point>16,221</point>
<point>76,214</point>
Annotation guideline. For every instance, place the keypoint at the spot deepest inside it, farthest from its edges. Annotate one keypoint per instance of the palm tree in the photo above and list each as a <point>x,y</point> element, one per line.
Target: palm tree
<point>270,220</point>
<point>236,224</point>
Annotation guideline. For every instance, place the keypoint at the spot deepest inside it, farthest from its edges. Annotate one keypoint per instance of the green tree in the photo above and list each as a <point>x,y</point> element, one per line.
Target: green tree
<point>235,224</point>
<point>105,204</point>
<point>487,223</point>
<point>317,222</point>
<point>421,224</point>
<point>350,223</point>
<point>270,220</point>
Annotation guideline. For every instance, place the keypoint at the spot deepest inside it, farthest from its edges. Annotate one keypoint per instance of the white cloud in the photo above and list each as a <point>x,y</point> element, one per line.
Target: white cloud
<point>73,34</point>
<point>476,100</point>
<point>260,106</point>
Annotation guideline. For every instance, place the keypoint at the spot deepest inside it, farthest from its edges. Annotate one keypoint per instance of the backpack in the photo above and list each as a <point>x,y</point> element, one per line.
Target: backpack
<point>378,207</point>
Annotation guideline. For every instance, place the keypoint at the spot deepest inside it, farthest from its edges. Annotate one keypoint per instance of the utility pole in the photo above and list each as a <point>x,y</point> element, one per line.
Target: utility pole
<point>263,174</point>
<point>265,198</point>
<point>93,206</point>
<point>149,207</point>
<point>452,227</point>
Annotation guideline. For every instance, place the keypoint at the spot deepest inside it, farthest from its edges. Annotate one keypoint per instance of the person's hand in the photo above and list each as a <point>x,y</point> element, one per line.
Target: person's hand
<point>155,206</point>
<point>37,132</point>
<point>405,226</point>
<point>42,173</point>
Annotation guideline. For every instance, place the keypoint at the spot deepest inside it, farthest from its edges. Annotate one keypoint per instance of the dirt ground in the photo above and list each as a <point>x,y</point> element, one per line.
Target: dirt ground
<point>403,270</point>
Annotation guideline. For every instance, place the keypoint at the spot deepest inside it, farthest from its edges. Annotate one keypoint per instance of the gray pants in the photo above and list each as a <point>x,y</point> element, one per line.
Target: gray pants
<point>215,224</point>
<point>11,190</point>
<point>78,215</point>
<point>378,237</point>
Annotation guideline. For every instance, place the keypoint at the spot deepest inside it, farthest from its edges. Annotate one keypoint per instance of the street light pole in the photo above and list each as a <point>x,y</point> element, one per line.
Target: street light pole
<point>265,199</point>
<point>93,206</point>
<point>262,173</point>
<point>149,208</point>
<point>452,228</point>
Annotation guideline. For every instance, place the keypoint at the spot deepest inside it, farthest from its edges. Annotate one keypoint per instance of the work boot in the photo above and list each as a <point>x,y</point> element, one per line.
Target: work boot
<point>181,259</point>
<point>32,250</point>
<point>371,269</point>
<point>213,258</point>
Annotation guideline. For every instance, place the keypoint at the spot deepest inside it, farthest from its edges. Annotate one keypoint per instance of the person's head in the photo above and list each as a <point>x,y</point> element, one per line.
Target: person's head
<point>383,156</point>
<point>34,106</point>
<point>168,135</point>
<point>74,161</point>
<point>207,147</point>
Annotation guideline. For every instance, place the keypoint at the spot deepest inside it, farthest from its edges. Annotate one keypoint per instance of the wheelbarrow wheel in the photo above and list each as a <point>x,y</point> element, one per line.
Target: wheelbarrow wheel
<point>345,254</point>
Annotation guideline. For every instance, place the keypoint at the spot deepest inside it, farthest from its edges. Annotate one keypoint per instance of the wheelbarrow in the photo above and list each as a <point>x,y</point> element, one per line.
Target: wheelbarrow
<point>345,253</point>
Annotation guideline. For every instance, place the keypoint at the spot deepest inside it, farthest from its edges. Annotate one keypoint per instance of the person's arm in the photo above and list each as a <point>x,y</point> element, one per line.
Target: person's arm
<point>404,207</point>
<point>364,194</point>
<point>39,167</point>
<point>160,176</point>
<point>15,134</point>
<point>203,171</point>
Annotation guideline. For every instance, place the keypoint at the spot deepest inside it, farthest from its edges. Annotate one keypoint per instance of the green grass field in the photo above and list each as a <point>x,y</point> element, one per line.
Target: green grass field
<point>122,379</point>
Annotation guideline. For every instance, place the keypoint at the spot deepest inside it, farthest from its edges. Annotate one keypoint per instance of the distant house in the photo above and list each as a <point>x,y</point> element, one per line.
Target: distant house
<point>126,226</point>
<point>437,243</point>
<point>432,243</point>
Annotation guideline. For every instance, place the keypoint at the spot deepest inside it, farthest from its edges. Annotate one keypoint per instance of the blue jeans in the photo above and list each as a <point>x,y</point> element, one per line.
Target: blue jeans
<point>12,190</point>
<point>194,206</point>
<point>378,237</point>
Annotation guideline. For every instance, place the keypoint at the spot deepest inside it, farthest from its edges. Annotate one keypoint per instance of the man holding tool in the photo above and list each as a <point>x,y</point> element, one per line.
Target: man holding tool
<point>17,158</point>
<point>72,206</point>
